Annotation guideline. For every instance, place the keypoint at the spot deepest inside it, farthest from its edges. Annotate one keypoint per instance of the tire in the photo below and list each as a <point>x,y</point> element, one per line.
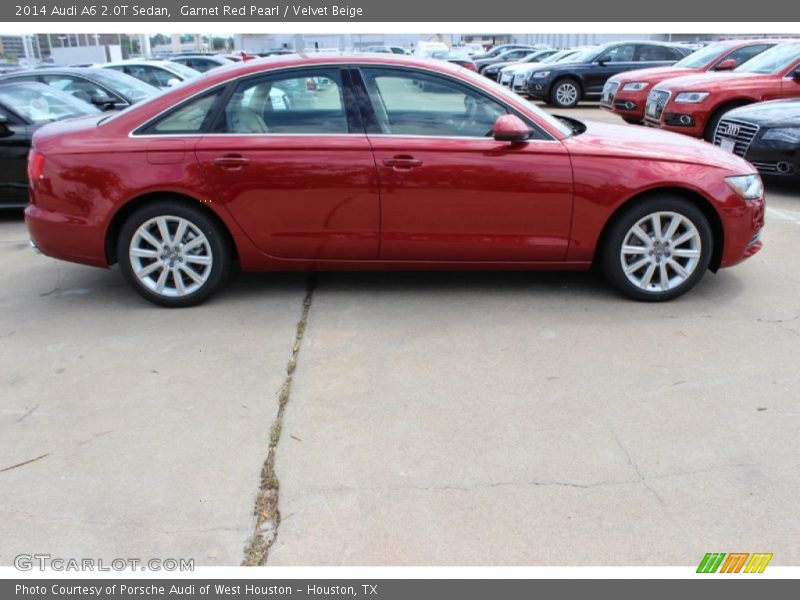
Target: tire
<point>565,93</point>
<point>173,274</point>
<point>663,267</point>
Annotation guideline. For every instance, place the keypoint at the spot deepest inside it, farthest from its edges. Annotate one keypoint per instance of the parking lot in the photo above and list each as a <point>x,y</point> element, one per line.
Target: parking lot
<point>434,419</point>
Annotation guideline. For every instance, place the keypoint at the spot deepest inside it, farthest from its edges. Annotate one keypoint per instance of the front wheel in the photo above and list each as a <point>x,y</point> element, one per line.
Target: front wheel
<point>173,254</point>
<point>565,93</point>
<point>658,249</point>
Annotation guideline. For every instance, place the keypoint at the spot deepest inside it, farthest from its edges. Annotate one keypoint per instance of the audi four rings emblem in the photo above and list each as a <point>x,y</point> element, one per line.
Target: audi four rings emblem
<point>732,130</point>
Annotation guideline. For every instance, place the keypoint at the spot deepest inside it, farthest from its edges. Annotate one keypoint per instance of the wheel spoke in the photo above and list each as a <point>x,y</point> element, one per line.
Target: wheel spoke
<point>149,238</point>
<point>178,279</point>
<point>686,253</point>
<point>162,280</point>
<point>144,253</point>
<point>197,259</point>
<point>181,231</point>
<point>163,230</point>
<point>663,276</point>
<point>655,220</point>
<point>648,275</point>
<point>629,249</point>
<point>684,238</point>
<point>678,268</point>
<point>200,239</point>
<point>632,268</point>
<point>673,227</point>
<point>145,271</point>
<point>191,273</point>
<point>642,235</point>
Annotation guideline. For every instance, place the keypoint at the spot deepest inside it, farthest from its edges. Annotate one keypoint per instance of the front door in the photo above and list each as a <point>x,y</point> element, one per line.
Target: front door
<point>449,191</point>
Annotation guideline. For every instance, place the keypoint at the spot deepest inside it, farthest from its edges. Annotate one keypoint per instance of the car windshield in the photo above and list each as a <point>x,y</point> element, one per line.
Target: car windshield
<point>702,57</point>
<point>587,55</point>
<point>182,70</point>
<point>131,88</point>
<point>39,103</point>
<point>772,61</point>
<point>558,56</point>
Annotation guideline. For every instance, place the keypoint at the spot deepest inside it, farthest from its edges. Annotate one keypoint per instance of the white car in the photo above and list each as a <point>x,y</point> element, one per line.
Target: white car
<point>159,73</point>
<point>428,49</point>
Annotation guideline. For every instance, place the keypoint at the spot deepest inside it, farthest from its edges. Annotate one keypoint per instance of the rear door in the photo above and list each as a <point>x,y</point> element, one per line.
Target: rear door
<point>15,141</point>
<point>293,165</point>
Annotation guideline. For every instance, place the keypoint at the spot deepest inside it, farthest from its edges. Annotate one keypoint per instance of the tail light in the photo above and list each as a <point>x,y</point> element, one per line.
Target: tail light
<point>311,85</point>
<point>471,66</point>
<point>35,165</point>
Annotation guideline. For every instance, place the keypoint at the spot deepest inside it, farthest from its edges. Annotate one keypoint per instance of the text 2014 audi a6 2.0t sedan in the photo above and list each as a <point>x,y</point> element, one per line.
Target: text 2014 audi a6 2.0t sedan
<point>379,162</point>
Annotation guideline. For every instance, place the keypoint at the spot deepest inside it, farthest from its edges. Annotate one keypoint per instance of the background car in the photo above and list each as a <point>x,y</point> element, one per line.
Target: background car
<point>202,62</point>
<point>158,73</point>
<point>24,107</point>
<point>504,57</point>
<point>626,93</point>
<point>493,70</point>
<point>767,134</point>
<point>497,50</point>
<point>584,75</point>
<point>459,173</point>
<point>462,60</point>
<point>386,49</point>
<point>694,104</point>
<point>516,76</point>
<point>104,89</point>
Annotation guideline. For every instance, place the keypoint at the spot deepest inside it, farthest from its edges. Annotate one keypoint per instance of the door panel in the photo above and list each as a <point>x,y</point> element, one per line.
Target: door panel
<point>473,200</point>
<point>14,146</point>
<point>298,196</point>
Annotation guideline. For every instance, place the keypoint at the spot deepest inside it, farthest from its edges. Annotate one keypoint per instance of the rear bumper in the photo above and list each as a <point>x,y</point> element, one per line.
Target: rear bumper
<point>65,237</point>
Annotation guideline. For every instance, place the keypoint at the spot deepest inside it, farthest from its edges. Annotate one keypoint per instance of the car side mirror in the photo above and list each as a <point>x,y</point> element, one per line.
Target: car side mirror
<point>726,65</point>
<point>173,82</point>
<point>510,128</point>
<point>103,101</point>
<point>601,62</point>
<point>4,129</point>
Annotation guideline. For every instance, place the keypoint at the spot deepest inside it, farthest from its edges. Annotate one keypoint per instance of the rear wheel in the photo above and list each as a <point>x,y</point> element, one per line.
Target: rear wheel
<point>173,254</point>
<point>657,249</point>
<point>566,93</point>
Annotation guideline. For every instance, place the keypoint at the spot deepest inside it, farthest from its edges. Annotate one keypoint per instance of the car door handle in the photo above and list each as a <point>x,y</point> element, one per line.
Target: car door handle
<point>402,161</point>
<point>232,162</point>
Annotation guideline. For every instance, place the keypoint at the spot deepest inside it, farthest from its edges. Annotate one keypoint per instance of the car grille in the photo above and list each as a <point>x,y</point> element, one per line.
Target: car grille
<point>769,168</point>
<point>610,91</point>
<point>519,81</point>
<point>741,132</point>
<point>656,102</point>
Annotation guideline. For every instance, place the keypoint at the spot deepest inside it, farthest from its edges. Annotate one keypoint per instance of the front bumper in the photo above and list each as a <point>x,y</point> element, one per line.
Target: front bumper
<point>774,162</point>
<point>629,105</point>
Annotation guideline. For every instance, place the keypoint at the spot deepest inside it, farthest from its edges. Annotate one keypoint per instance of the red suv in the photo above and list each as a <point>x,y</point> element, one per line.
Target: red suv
<point>387,163</point>
<point>695,104</point>
<point>626,93</point>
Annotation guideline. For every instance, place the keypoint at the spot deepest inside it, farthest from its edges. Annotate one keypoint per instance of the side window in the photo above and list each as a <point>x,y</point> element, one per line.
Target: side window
<point>619,54</point>
<point>148,74</point>
<point>82,89</point>
<point>191,117</point>
<point>309,101</point>
<point>413,103</point>
<point>742,55</point>
<point>654,54</point>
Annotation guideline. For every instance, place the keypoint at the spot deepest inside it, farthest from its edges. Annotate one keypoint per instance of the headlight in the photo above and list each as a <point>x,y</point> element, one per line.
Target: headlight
<point>540,74</point>
<point>747,187</point>
<point>635,86</point>
<point>790,135</point>
<point>691,97</point>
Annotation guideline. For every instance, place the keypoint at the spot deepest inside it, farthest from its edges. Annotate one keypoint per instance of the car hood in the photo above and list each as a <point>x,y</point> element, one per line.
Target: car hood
<point>713,81</point>
<point>522,68</point>
<point>653,74</point>
<point>500,65</point>
<point>628,141</point>
<point>776,113</point>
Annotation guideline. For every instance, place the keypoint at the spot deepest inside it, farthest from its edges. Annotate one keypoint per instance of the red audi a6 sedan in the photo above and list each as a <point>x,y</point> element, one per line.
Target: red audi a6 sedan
<point>377,162</point>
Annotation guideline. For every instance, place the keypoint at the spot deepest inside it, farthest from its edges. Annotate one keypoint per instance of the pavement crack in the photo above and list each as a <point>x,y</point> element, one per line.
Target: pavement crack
<point>632,463</point>
<point>27,462</point>
<point>266,511</point>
